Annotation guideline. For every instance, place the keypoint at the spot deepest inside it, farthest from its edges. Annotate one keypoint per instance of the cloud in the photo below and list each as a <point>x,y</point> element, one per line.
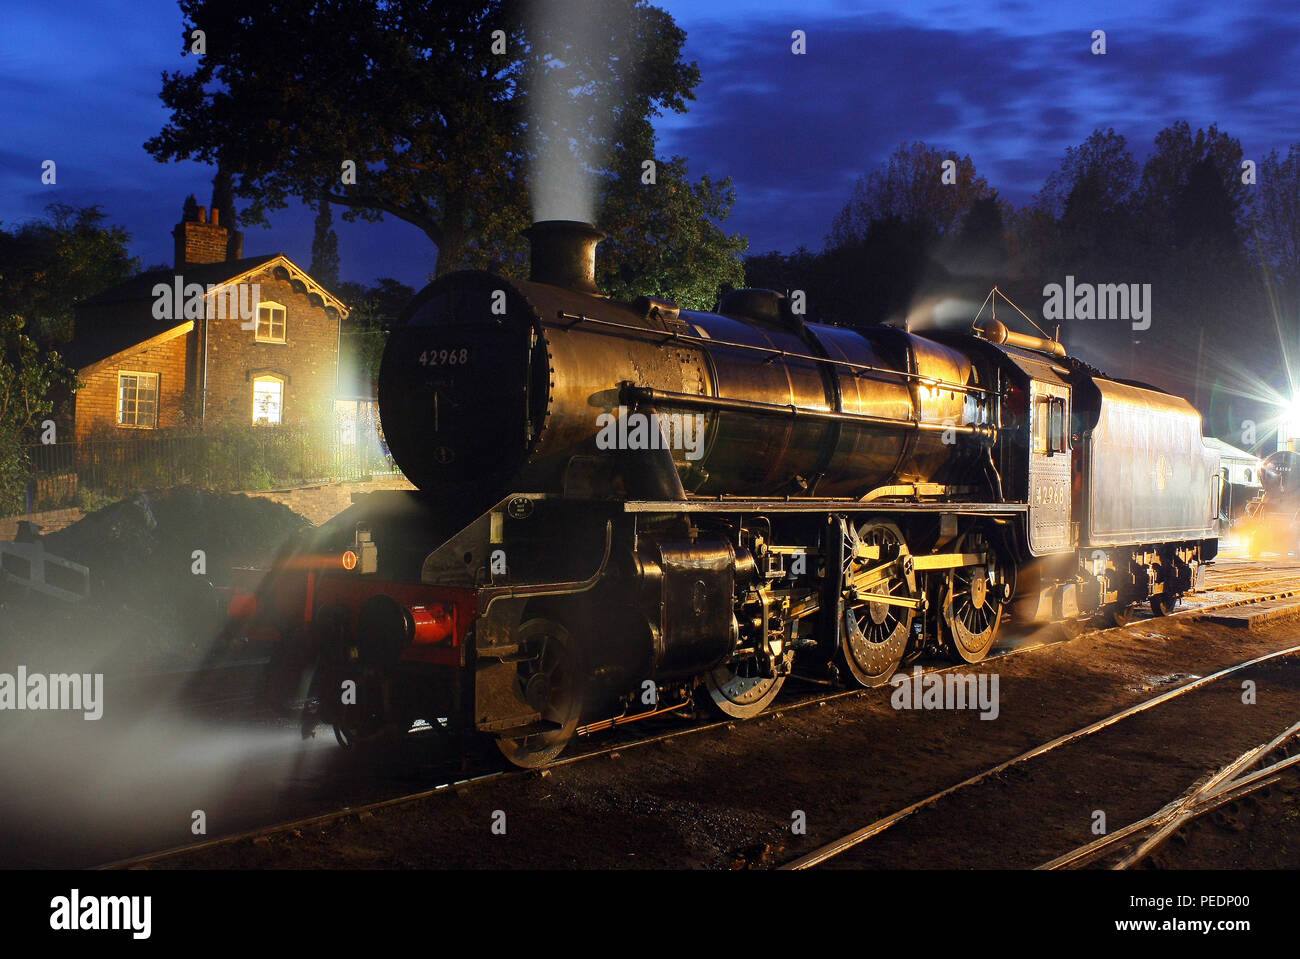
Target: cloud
<point>794,132</point>
<point>1011,83</point>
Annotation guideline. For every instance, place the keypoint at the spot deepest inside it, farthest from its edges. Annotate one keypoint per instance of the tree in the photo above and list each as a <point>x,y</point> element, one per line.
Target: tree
<point>784,272</point>
<point>910,186</point>
<point>429,103</point>
<point>908,222</point>
<point>877,276</point>
<point>1101,165</point>
<point>1080,223</point>
<point>980,243</point>
<point>29,378</point>
<point>325,247</point>
<point>371,313</point>
<point>1178,152</point>
<point>662,239</point>
<point>1274,220</point>
<point>47,266</point>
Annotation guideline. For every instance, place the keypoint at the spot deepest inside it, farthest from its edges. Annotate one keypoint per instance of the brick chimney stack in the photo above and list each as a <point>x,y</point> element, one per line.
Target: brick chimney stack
<point>199,240</point>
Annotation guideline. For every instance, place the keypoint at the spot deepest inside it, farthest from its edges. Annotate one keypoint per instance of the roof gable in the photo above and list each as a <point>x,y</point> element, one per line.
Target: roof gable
<point>218,276</point>
<point>99,344</point>
<point>136,346</point>
<point>94,342</point>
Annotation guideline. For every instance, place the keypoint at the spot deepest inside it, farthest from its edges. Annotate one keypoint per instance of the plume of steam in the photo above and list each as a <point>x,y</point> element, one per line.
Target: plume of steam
<point>941,311</point>
<point>571,54</point>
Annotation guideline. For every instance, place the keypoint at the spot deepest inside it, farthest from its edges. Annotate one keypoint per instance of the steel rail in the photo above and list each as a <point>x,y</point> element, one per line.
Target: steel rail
<point>512,774</point>
<point>1205,794</point>
<point>859,836</point>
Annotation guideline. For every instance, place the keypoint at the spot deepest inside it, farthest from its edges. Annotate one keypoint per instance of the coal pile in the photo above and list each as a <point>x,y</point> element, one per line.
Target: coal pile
<point>156,564</point>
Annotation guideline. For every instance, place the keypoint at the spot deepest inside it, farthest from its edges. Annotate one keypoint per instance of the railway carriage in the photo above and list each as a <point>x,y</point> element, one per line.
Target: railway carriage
<point>626,508</point>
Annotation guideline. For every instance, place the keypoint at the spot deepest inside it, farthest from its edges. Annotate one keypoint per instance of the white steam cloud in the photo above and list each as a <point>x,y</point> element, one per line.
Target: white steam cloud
<point>941,311</point>
<point>567,119</point>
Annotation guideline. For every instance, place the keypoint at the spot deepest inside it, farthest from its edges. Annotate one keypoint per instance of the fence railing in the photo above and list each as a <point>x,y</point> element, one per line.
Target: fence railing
<point>255,458</point>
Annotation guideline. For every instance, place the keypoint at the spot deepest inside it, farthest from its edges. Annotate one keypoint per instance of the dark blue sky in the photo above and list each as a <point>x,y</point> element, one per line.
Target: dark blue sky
<point>1012,84</point>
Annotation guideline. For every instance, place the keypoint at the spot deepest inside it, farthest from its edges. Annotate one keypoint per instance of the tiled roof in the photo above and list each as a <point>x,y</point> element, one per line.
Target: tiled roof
<point>141,287</point>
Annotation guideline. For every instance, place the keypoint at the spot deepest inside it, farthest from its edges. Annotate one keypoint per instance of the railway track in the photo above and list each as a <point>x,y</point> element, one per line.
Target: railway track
<point>458,785</point>
<point>863,834</point>
<point>1228,784</point>
<point>816,698</point>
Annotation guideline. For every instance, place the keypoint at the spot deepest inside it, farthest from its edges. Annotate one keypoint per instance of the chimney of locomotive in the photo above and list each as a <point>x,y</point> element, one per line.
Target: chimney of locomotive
<point>563,253</point>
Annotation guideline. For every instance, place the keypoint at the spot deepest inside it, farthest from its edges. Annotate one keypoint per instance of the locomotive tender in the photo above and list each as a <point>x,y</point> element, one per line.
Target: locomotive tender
<point>776,493</point>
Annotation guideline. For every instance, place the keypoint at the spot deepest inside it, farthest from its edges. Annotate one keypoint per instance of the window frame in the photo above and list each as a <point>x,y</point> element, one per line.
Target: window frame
<point>1049,425</point>
<point>120,400</point>
<point>269,377</point>
<point>270,337</point>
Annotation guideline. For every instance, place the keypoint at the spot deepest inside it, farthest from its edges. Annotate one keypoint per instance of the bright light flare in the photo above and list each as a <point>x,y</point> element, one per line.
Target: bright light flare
<point>1289,424</point>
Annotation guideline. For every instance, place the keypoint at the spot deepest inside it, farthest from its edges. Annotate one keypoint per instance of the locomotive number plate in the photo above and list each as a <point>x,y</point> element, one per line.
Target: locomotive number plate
<point>449,357</point>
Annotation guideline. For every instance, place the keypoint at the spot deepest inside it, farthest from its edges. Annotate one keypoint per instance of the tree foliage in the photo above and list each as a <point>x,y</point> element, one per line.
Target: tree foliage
<point>908,223</point>
<point>371,312</point>
<point>47,265</point>
<point>324,247</point>
<point>909,186</point>
<point>29,378</point>
<point>415,94</point>
<point>1101,169</point>
<point>663,238</point>
<point>1274,219</point>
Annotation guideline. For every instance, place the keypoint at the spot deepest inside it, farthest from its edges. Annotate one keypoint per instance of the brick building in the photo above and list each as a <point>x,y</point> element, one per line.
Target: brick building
<point>173,347</point>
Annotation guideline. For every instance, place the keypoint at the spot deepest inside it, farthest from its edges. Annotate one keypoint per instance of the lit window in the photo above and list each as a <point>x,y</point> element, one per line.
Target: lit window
<point>270,323</point>
<point>268,399</point>
<point>137,400</point>
<point>1042,413</point>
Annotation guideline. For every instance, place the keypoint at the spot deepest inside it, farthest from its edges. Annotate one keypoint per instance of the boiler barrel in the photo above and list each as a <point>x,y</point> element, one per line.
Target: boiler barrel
<point>491,386</point>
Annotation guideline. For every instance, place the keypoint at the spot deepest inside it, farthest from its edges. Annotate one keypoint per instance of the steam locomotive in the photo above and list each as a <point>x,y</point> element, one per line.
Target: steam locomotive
<point>626,508</point>
<point>1272,519</point>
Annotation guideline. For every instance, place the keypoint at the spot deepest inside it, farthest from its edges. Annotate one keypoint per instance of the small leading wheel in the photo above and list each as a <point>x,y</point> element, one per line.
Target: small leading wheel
<point>552,682</point>
<point>1163,604</point>
<point>1122,615</point>
<point>361,726</point>
<point>742,689</point>
<point>352,736</point>
<point>1072,629</point>
<point>973,601</point>
<point>369,734</point>
<point>875,632</point>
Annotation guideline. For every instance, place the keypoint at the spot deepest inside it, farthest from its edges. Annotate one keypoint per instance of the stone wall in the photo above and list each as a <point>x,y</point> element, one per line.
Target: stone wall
<point>48,521</point>
<point>317,503</point>
<point>322,503</point>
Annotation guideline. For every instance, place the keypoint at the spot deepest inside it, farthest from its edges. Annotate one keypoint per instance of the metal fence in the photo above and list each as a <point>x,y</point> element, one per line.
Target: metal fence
<point>255,458</point>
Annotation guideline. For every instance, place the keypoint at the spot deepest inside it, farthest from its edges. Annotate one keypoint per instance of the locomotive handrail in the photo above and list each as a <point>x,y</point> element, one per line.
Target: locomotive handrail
<point>570,588</point>
<point>647,394</point>
<point>772,351</point>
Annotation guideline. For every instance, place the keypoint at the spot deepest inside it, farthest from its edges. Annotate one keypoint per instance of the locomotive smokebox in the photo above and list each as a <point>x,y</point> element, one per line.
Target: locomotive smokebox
<point>563,253</point>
